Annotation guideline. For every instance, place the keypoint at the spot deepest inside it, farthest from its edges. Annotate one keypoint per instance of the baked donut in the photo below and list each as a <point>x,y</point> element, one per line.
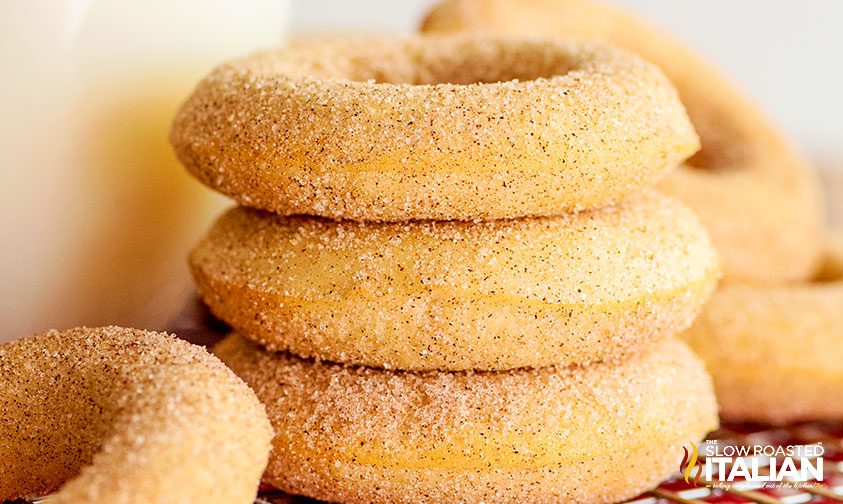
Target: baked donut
<point>758,200</point>
<point>126,416</point>
<point>776,351</point>
<point>601,433</point>
<point>456,295</point>
<point>392,129</point>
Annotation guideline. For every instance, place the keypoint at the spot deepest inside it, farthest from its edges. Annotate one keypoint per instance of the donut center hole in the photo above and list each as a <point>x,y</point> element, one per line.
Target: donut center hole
<point>829,271</point>
<point>456,62</point>
<point>716,156</point>
<point>722,140</point>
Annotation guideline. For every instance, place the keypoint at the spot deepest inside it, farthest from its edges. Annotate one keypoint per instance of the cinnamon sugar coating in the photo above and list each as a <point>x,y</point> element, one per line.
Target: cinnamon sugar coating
<point>460,295</point>
<point>776,351</point>
<point>392,129</point>
<point>756,196</point>
<point>126,416</point>
<point>602,433</point>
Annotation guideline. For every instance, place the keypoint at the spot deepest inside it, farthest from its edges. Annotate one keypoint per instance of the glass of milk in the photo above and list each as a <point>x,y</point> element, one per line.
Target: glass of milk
<point>98,215</point>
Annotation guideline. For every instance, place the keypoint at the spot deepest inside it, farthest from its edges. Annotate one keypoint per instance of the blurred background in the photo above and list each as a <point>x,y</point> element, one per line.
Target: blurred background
<point>98,217</point>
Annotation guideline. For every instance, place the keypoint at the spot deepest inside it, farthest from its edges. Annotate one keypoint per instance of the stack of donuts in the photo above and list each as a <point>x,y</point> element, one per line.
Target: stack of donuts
<point>771,335</point>
<point>448,278</point>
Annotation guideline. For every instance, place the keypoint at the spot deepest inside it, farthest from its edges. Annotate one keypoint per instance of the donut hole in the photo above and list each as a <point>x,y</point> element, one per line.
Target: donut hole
<point>830,267</point>
<point>714,157</point>
<point>721,141</point>
<point>729,138</point>
<point>829,271</point>
<point>717,154</point>
<point>436,61</point>
<point>473,63</point>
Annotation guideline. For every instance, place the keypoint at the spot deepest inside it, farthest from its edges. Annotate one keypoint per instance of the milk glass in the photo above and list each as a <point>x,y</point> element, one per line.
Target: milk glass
<point>98,217</point>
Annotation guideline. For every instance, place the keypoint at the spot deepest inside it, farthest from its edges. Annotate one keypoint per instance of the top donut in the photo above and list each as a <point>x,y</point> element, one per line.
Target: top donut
<point>457,127</point>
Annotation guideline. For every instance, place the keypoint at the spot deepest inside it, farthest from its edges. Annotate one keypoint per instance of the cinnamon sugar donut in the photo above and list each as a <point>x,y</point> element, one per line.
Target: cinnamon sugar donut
<point>392,129</point>
<point>602,433</point>
<point>460,295</point>
<point>776,351</point>
<point>753,193</point>
<point>126,416</point>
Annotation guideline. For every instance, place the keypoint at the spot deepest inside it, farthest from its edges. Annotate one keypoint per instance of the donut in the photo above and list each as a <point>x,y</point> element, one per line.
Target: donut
<point>456,295</point>
<point>776,351</point>
<point>392,129</point>
<point>122,415</point>
<point>592,434</point>
<point>755,195</point>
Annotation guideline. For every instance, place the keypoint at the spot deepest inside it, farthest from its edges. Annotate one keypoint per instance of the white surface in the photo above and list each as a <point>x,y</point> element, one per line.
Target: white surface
<point>786,54</point>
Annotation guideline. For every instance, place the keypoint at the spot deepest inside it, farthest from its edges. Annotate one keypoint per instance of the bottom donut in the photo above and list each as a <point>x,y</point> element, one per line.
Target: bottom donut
<point>601,433</point>
<point>776,351</point>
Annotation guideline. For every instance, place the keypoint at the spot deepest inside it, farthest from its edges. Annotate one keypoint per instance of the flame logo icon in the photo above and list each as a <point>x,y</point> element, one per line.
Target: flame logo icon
<point>690,460</point>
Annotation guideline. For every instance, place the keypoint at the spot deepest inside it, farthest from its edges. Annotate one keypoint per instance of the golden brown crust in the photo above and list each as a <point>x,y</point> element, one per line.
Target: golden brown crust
<point>433,128</point>
<point>460,295</point>
<point>597,434</point>
<point>126,416</point>
<point>753,193</point>
<point>775,351</point>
